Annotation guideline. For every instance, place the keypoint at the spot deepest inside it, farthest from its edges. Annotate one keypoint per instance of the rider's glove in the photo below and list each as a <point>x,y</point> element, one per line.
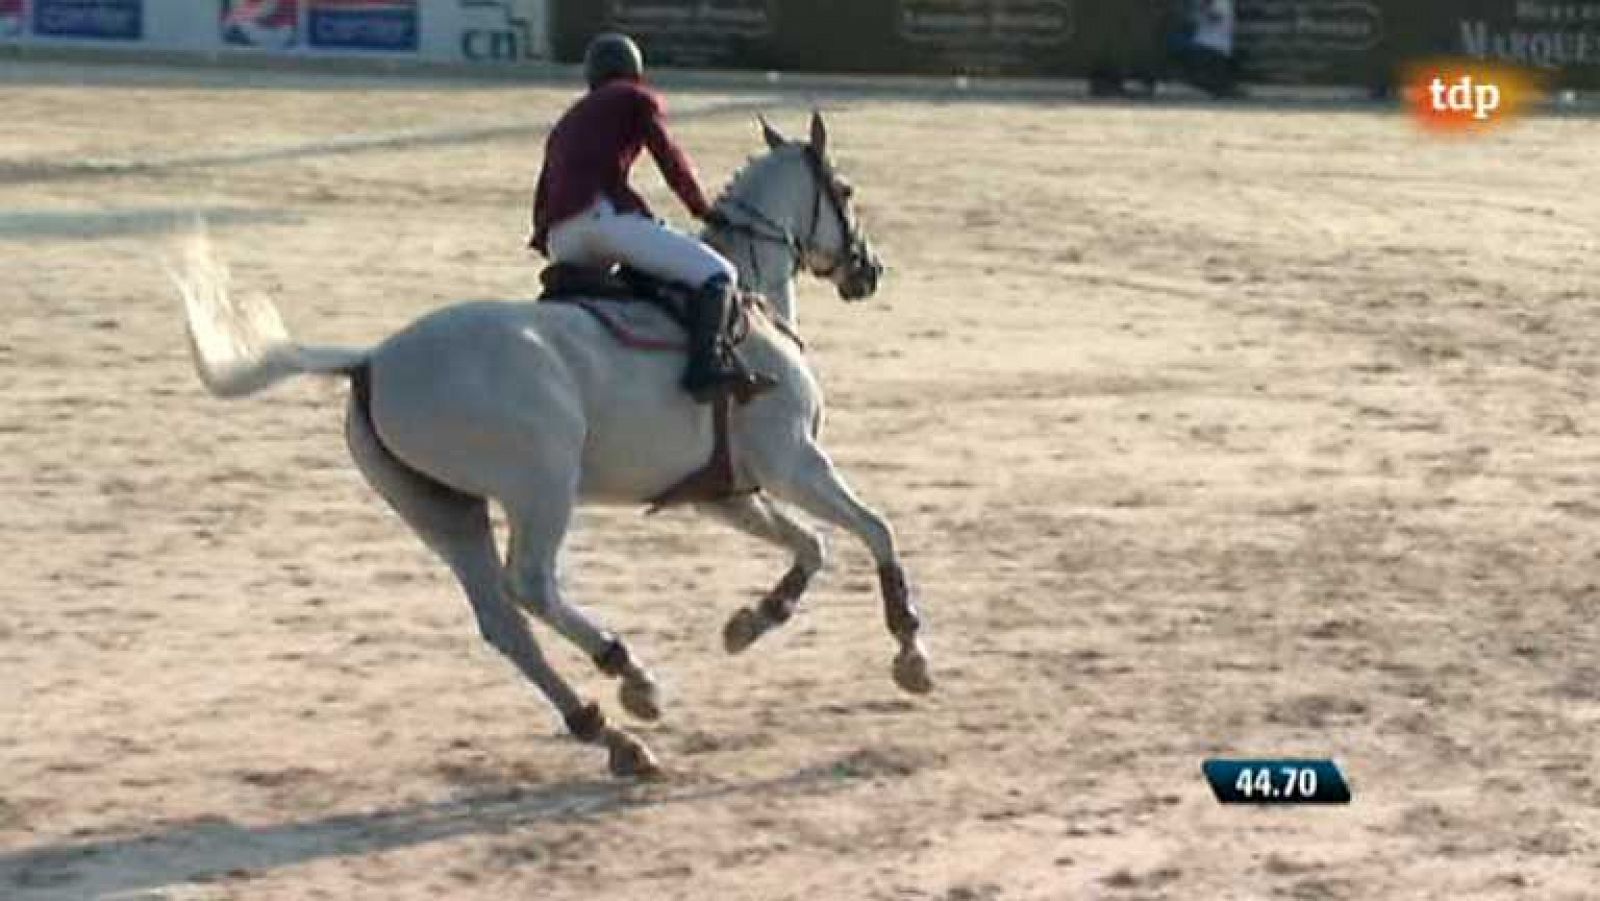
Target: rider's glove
<point>716,218</point>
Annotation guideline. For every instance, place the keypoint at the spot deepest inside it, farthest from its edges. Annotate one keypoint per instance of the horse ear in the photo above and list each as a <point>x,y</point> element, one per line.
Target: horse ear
<point>819,134</point>
<point>770,134</point>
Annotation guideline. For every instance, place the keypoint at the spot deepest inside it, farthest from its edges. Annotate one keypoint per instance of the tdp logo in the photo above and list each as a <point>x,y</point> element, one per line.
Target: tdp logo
<point>497,31</point>
<point>1467,96</point>
<point>1462,96</point>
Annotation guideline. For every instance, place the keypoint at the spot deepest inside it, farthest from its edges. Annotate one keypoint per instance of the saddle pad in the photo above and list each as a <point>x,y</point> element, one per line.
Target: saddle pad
<point>646,326</point>
<point>634,325</point>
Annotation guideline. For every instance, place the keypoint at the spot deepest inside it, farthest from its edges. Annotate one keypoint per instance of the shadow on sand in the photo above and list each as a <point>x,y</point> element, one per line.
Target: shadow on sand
<point>29,171</point>
<point>34,225</point>
<point>212,848</point>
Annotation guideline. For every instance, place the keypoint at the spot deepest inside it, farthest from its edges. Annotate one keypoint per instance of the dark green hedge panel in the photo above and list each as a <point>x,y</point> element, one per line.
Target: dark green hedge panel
<point>1360,42</point>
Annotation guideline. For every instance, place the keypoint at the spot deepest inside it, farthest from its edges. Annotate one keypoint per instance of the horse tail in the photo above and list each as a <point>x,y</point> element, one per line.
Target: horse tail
<point>239,344</point>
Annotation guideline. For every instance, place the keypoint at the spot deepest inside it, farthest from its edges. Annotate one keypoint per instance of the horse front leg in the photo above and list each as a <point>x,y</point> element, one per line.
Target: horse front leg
<point>804,476</point>
<point>761,517</point>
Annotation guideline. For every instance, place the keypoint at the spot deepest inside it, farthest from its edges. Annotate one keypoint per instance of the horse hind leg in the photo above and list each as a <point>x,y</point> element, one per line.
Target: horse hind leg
<point>761,517</point>
<point>456,527</point>
<point>803,475</point>
<point>539,521</point>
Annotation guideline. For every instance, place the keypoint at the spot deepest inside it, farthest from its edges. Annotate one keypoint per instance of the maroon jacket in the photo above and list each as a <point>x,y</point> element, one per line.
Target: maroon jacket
<point>593,146</point>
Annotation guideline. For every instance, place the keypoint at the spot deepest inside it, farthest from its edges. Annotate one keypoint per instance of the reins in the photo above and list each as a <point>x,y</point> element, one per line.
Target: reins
<point>828,185</point>
<point>777,235</point>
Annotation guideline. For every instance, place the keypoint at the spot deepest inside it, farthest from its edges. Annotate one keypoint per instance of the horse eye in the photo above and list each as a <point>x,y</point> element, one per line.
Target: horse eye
<point>846,190</point>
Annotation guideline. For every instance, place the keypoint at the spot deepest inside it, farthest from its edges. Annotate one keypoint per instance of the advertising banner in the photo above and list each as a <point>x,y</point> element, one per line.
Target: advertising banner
<point>13,16</point>
<point>1559,38</point>
<point>1553,36</point>
<point>905,36</point>
<point>728,33</point>
<point>1350,42</point>
<point>267,24</point>
<point>1018,36</point>
<point>501,31</point>
<point>104,20</point>
<point>1311,40</point>
<point>980,37</point>
<point>697,32</point>
<point>390,26</point>
<point>491,32</point>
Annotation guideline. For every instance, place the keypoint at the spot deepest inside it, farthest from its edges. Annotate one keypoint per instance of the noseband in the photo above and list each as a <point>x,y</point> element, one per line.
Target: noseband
<point>828,186</point>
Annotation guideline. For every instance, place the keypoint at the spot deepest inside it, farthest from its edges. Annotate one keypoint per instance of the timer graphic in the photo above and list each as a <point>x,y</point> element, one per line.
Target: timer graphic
<point>1276,780</point>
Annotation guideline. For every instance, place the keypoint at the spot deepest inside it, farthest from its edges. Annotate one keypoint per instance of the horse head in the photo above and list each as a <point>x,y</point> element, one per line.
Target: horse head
<point>795,196</point>
<point>835,246</point>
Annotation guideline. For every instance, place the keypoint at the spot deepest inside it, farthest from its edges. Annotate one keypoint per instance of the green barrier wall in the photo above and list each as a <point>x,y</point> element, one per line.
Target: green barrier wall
<point>1354,42</point>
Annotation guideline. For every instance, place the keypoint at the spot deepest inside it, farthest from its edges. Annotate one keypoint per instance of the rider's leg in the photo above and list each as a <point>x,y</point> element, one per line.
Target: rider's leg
<point>572,241</point>
<point>655,248</point>
<point>600,236</point>
<point>712,369</point>
<point>658,250</point>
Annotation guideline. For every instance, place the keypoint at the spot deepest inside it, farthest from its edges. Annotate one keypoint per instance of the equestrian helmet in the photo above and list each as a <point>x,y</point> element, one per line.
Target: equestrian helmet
<point>610,56</point>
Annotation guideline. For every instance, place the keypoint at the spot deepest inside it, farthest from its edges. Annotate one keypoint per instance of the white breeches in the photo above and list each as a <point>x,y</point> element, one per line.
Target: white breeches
<point>600,236</point>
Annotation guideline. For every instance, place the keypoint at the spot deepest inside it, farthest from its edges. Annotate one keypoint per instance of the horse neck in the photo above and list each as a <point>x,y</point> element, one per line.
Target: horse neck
<point>767,269</point>
<point>764,266</point>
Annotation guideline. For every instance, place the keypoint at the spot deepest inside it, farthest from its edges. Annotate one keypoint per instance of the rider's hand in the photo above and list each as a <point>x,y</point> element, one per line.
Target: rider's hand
<point>716,218</point>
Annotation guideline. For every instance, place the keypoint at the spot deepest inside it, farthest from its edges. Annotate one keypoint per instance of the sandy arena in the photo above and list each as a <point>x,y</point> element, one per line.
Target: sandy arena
<point>1206,430</point>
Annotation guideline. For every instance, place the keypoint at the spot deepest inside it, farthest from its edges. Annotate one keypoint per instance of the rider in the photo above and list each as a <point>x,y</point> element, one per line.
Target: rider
<point>585,213</point>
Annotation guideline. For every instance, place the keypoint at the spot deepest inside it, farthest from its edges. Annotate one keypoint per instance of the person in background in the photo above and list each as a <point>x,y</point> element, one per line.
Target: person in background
<point>585,213</point>
<point>1131,50</point>
<point>1203,48</point>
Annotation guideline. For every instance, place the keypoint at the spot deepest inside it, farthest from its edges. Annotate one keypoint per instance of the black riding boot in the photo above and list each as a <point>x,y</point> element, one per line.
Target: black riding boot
<point>714,370</point>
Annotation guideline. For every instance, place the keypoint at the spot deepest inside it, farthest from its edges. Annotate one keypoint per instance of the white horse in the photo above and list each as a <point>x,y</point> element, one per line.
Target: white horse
<point>539,407</point>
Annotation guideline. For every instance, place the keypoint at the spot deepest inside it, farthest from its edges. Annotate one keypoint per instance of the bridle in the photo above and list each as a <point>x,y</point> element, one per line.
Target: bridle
<point>761,227</point>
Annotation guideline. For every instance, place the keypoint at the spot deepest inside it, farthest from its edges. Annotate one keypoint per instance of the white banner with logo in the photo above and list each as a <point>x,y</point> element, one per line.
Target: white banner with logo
<point>460,31</point>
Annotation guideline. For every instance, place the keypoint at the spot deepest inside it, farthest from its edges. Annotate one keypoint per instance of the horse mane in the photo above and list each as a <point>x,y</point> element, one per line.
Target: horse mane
<point>754,169</point>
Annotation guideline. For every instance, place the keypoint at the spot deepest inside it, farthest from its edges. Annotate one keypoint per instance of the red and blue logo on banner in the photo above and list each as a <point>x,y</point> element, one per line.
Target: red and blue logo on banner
<point>12,15</point>
<point>271,24</point>
<point>116,20</point>
<point>385,25</point>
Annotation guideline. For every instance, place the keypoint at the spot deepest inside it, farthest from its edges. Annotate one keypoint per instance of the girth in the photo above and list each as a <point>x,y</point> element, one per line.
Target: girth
<point>713,481</point>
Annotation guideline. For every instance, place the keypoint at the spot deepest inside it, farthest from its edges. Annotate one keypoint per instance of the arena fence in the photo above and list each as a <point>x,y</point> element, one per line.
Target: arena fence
<point>506,32</point>
<point>1348,42</point>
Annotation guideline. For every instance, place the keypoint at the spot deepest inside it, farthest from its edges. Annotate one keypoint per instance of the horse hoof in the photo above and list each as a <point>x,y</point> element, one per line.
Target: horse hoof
<point>742,630</point>
<point>911,672</point>
<point>630,759</point>
<point>641,698</point>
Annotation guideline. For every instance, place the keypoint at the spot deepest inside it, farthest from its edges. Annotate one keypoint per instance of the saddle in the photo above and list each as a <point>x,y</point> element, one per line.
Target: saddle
<point>581,286</point>
<point>568,283</point>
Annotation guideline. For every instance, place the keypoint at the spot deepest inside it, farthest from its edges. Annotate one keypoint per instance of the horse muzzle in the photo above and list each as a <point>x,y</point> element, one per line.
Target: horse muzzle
<point>860,280</point>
